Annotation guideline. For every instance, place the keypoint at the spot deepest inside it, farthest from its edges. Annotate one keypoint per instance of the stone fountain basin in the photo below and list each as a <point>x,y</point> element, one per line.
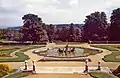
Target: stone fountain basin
<point>53,52</point>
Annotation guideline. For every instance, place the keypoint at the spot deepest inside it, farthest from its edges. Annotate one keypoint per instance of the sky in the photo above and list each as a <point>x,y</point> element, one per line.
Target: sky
<point>53,11</point>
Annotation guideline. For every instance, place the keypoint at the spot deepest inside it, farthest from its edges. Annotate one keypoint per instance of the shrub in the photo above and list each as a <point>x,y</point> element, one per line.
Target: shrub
<point>3,55</point>
<point>5,67</point>
<point>2,73</point>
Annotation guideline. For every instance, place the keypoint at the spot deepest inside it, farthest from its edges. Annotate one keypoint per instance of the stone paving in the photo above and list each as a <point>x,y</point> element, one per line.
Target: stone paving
<point>65,70</point>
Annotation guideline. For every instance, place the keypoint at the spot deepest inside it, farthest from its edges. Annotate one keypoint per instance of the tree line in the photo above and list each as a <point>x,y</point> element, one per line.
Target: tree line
<point>96,28</point>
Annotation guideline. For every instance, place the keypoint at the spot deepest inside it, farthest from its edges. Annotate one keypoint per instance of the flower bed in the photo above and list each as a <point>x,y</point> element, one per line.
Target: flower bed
<point>64,59</point>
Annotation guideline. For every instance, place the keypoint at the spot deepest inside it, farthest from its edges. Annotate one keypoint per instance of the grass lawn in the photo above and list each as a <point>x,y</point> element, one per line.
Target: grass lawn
<point>100,75</point>
<point>108,47</point>
<point>18,75</point>
<point>88,52</point>
<point>112,57</point>
<point>7,52</point>
<point>21,57</point>
<point>29,47</point>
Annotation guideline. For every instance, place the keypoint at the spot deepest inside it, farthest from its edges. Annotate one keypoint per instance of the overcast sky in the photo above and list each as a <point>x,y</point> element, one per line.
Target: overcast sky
<point>53,11</point>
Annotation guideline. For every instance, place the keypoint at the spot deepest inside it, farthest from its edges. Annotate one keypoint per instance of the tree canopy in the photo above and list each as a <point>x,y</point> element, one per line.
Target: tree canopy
<point>32,29</point>
<point>95,27</point>
<point>115,25</point>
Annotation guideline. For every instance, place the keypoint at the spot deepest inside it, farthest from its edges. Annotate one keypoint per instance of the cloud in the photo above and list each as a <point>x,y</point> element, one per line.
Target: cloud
<point>53,11</point>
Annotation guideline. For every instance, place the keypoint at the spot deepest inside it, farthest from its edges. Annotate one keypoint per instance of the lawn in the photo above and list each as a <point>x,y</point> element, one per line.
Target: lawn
<point>6,51</point>
<point>108,47</point>
<point>21,56</point>
<point>29,47</point>
<point>88,52</point>
<point>112,57</point>
<point>100,75</point>
<point>18,75</point>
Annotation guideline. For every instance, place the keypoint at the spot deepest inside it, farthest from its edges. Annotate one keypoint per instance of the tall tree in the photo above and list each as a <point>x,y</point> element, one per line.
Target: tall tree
<point>95,27</point>
<point>71,32</point>
<point>78,35</point>
<point>51,32</point>
<point>57,34</point>
<point>64,34</point>
<point>32,29</point>
<point>115,25</point>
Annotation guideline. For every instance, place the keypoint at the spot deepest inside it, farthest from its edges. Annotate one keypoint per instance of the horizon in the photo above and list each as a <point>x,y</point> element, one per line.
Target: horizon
<point>53,11</point>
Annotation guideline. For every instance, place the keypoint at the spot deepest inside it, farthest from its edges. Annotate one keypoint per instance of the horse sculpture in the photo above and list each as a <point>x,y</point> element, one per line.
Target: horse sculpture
<point>60,52</point>
<point>66,49</point>
<point>73,51</point>
<point>66,52</point>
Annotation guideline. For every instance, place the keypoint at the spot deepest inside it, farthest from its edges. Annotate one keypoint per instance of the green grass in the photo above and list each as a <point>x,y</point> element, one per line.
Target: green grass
<point>18,75</point>
<point>100,75</point>
<point>88,52</point>
<point>8,52</point>
<point>115,52</point>
<point>21,57</point>
<point>3,40</point>
<point>108,47</point>
<point>112,57</point>
<point>30,47</point>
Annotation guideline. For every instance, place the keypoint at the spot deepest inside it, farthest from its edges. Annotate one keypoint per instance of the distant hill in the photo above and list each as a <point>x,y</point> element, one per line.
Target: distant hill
<point>14,28</point>
<point>57,26</point>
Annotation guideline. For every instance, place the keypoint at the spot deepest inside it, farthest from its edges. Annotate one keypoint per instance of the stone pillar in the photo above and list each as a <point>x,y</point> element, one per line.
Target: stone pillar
<point>86,66</point>
<point>25,65</point>
<point>34,65</point>
<point>99,67</point>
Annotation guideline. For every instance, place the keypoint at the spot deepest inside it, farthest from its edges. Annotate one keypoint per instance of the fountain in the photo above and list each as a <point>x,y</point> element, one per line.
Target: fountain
<point>65,52</point>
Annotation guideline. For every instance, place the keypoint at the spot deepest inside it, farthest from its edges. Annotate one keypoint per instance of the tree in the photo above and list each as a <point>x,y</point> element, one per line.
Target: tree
<point>57,34</point>
<point>71,32</point>
<point>64,34</point>
<point>78,35</point>
<point>115,25</point>
<point>32,29</point>
<point>51,32</point>
<point>95,27</point>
